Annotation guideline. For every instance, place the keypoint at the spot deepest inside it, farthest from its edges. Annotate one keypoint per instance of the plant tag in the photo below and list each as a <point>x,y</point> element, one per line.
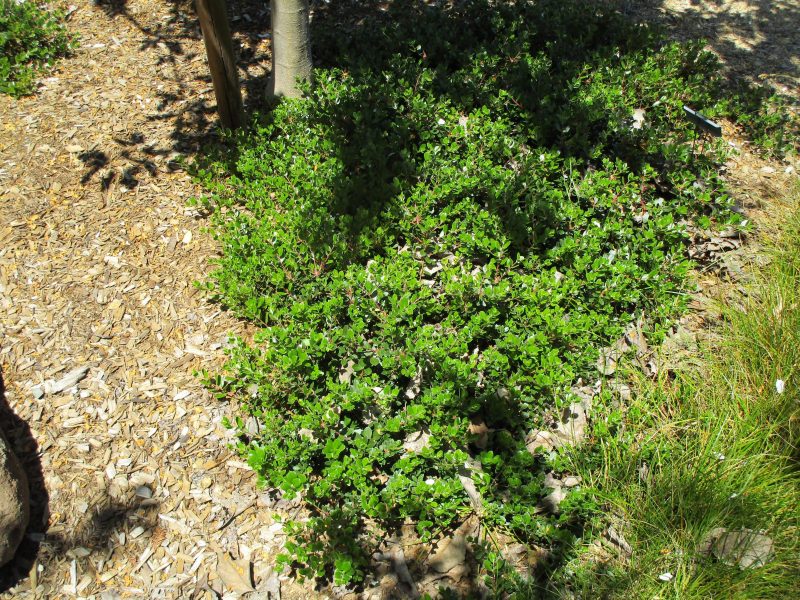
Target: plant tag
<point>702,122</point>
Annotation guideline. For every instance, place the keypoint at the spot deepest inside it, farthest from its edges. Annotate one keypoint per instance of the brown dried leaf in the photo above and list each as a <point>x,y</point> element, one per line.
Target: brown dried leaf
<point>235,574</point>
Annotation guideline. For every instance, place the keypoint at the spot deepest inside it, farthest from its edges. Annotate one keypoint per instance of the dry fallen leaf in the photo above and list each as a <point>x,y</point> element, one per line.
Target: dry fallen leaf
<point>416,441</point>
<point>451,553</point>
<point>235,574</point>
<point>480,431</point>
<point>638,118</point>
<point>746,548</point>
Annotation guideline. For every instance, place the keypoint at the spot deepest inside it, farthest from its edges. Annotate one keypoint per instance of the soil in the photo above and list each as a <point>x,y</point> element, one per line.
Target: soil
<point>135,490</point>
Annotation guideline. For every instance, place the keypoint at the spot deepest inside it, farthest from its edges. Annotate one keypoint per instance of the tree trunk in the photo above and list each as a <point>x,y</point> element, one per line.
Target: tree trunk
<point>291,47</point>
<point>219,49</point>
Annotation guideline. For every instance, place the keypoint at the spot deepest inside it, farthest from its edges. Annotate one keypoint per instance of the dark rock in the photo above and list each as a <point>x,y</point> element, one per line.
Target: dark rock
<point>14,502</point>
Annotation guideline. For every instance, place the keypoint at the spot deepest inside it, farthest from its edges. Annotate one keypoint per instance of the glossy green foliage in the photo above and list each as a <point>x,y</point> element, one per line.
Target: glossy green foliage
<point>445,230</point>
<point>31,37</point>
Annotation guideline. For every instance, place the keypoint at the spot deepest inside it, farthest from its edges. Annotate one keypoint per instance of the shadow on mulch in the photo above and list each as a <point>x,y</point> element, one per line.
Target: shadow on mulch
<point>44,545</point>
<point>767,30</point>
<point>24,445</point>
<point>194,120</point>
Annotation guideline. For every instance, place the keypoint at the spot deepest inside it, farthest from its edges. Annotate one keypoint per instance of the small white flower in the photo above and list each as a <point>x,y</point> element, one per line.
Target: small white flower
<point>666,576</point>
<point>541,158</point>
<point>430,481</point>
<point>733,496</point>
<point>719,456</point>
<point>780,386</point>
<point>441,121</point>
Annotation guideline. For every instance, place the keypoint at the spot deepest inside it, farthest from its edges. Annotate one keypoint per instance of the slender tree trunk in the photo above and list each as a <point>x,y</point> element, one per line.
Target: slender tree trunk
<point>219,49</point>
<point>291,47</point>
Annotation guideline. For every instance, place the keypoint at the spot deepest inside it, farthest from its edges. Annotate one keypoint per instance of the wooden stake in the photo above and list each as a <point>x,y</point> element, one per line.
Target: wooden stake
<point>219,49</point>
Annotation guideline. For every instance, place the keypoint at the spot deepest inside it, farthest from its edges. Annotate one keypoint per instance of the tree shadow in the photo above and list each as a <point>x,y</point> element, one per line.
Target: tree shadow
<point>757,45</point>
<point>43,545</point>
<point>25,447</point>
<point>759,40</point>
<point>455,43</point>
<point>191,115</point>
<point>756,39</point>
<point>98,531</point>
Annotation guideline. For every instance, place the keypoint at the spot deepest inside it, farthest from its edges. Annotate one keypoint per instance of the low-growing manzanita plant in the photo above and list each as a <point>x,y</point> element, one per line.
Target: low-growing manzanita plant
<point>444,231</point>
<point>32,37</point>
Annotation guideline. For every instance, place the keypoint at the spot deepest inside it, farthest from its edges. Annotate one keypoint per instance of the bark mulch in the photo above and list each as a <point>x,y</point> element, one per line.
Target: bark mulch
<point>136,493</point>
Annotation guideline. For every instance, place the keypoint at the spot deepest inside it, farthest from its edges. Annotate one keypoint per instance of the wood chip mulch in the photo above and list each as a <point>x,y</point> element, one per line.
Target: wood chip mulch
<point>140,495</point>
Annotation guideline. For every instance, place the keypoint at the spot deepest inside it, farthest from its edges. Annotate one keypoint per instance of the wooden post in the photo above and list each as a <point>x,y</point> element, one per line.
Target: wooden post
<point>219,49</point>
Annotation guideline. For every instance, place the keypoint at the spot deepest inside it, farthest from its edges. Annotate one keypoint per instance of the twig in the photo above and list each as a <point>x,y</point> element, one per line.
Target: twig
<point>233,518</point>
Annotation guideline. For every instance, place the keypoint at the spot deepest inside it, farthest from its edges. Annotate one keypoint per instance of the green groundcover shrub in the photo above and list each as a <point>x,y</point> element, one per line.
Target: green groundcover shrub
<point>468,204</point>
<point>771,120</point>
<point>31,38</point>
